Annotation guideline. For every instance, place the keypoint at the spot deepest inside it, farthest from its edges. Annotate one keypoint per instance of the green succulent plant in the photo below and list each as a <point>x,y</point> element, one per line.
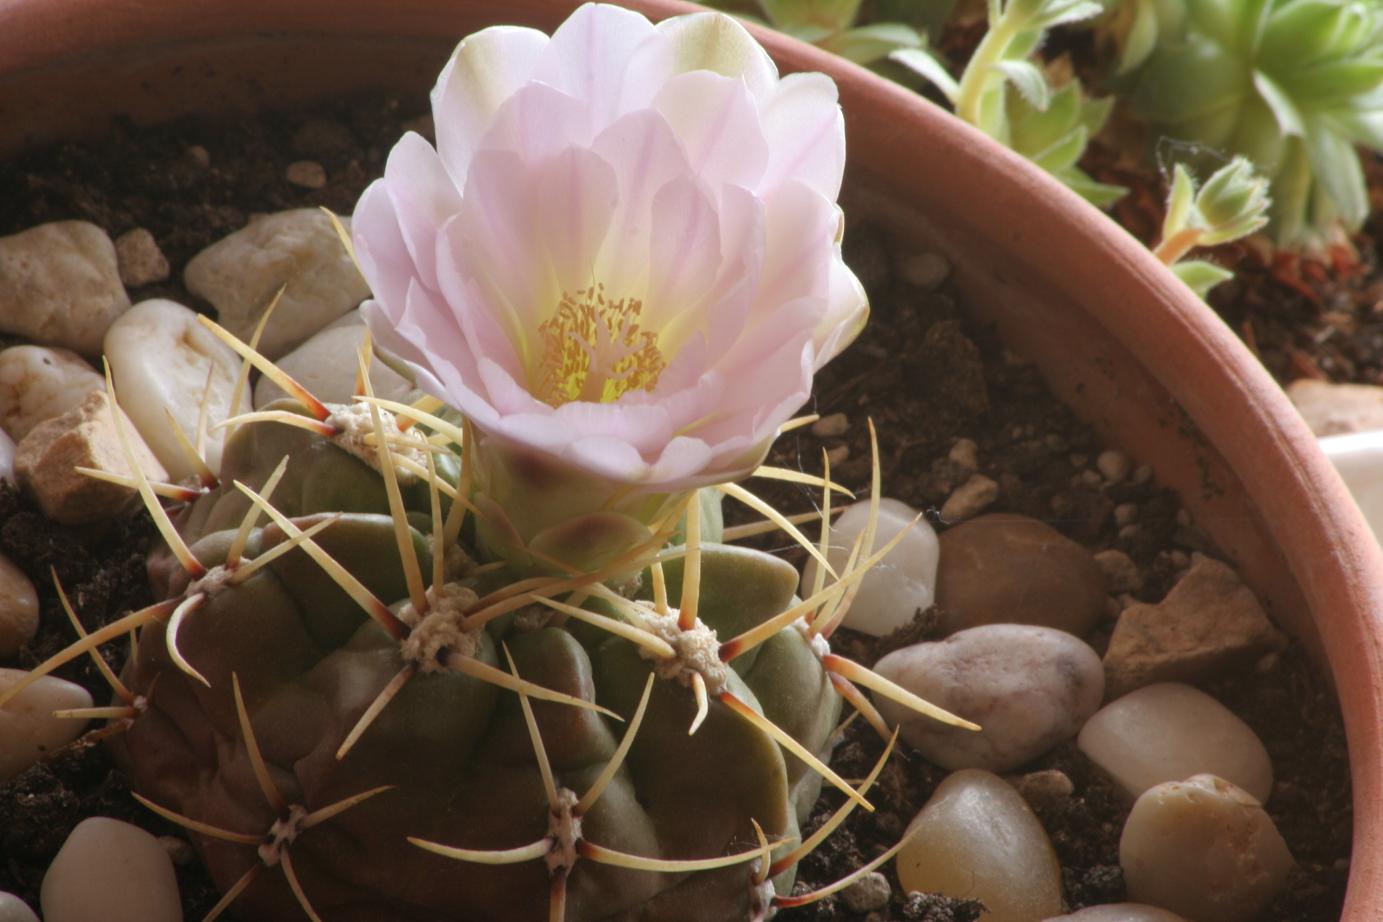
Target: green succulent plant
<point>832,25</point>
<point>357,718</point>
<point>1294,85</point>
<point>1050,127</point>
<point>1232,204</point>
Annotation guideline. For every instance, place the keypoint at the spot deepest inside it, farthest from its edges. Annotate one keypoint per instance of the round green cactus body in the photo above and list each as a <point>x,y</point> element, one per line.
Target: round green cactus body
<point>1293,85</point>
<point>255,685</point>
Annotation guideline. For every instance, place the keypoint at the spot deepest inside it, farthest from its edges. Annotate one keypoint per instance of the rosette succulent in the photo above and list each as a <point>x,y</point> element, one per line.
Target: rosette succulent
<point>1294,85</point>
<point>483,655</point>
<point>621,264</point>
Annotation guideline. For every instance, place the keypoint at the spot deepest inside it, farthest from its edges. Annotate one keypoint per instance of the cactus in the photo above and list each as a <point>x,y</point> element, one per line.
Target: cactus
<point>359,720</point>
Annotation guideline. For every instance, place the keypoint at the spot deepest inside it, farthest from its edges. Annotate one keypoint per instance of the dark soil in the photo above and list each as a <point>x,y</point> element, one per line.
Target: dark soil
<point>922,371</point>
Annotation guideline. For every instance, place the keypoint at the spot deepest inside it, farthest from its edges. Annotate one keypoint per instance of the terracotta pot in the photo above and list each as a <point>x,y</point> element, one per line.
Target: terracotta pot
<point>1134,353</point>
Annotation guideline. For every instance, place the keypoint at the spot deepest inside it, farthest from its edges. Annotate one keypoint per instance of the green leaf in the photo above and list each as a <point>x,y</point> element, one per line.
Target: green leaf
<point>1335,165</point>
<point>831,15</point>
<point>867,44</point>
<point>1201,276</point>
<point>1098,194</point>
<point>1289,119</point>
<point>1029,80</point>
<point>1180,202</point>
<point>924,64</point>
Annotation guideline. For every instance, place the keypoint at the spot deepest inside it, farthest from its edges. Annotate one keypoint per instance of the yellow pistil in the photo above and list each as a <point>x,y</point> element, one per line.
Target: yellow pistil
<point>594,350</point>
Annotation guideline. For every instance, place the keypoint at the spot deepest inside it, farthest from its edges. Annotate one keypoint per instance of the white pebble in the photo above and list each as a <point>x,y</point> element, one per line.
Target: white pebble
<point>13,909</point>
<point>1120,912</point>
<point>867,894</point>
<point>141,261</point>
<point>111,871</point>
<point>306,173</point>
<point>18,609</point>
<point>970,498</point>
<point>1359,459</point>
<point>38,383</point>
<point>976,838</point>
<point>1028,687</point>
<point>898,586</point>
<point>7,448</point>
<point>160,357</point>
<point>326,366</point>
<point>1169,732</point>
<point>59,285</point>
<point>28,728</point>
<point>1114,465</point>
<point>241,273</point>
<point>1205,849</point>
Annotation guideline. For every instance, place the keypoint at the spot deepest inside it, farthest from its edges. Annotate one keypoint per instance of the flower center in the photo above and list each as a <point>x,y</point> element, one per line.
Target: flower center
<point>594,350</point>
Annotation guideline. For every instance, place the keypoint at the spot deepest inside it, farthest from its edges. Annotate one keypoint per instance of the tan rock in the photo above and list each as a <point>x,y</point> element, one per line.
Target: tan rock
<point>1210,620</point>
<point>1334,409</point>
<point>1011,568</point>
<point>38,383</point>
<point>970,498</point>
<point>59,285</point>
<point>140,260</point>
<point>18,609</point>
<point>85,436</point>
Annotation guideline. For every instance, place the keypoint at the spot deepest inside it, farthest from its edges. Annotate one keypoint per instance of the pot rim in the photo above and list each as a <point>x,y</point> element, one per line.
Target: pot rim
<point>1238,408</point>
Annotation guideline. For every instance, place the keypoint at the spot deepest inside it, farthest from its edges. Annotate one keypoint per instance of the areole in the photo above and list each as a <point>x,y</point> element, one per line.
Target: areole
<point>1134,352</point>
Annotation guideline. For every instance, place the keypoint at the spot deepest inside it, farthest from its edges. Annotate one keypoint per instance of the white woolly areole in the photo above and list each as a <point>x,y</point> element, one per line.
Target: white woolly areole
<point>282,834</point>
<point>441,633</point>
<point>761,899</point>
<point>819,644</point>
<point>564,828</point>
<point>696,650</point>
<point>354,423</point>
<point>211,582</point>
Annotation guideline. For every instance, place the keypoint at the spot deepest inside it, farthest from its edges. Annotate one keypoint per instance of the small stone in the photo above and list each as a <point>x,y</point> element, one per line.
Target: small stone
<point>306,173</point>
<point>1142,474</point>
<point>1130,531</point>
<point>1208,622</point>
<point>13,909</point>
<point>199,155</point>
<point>28,728</point>
<point>59,285</point>
<point>832,426</point>
<point>1335,409</point>
<point>1015,569</point>
<point>38,383</point>
<point>867,894</point>
<point>970,498</point>
<point>966,454</point>
<point>46,461</point>
<point>1043,788</point>
<point>7,448</point>
<point>318,366</point>
<point>1120,912</point>
<point>924,270</point>
<point>18,609</point>
<point>1205,849</point>
<point>898,586</point>
<point>111,871</point>
<point>838,455</point>
<point>1169,732</point>
<point>1114,465</point>
<point>1358,457</point>
<point>141,261</point>
<point>977,839</point>
<point>1088,478</point>
<point>1120,572</point>
<point>1125,514</point>
<point>165,362</point>
<point>240,275</point>
<point>1027,687</point>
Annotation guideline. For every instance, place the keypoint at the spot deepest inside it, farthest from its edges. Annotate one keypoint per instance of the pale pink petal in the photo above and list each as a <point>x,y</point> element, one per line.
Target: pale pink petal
<point>806,134</point>
<point>645,426</point>
<point>700,41</point>
<point>537,122</point>
<point>799,244</point>
<point>683,259</point>
<point>846,314</point>
<point>680,463</point>
<point>717,123</point>
<point>576,195</point>
<point>588,55</point>
<point>484,70</point>
<point>424,199</point>
<point>481,321</point>
<point>379,246</point>
<point>609,457</point>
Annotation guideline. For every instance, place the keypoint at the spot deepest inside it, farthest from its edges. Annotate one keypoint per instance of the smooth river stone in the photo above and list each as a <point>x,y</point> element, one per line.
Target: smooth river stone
<point>59,285</point>
<point>13,909</point>
<point>28,728</point>
<point>326,366</point>
<point>978,839</point>
<point>7,451</point>
<point>38,383</point>
<point>1028,688</point>
<point>898,586</point>
<point>1011,568</point>
<point>160,357</point>
<point>241,273</point>
<point>1169,732</point>
<point>1120,912</point>
<point>1205,849</point>
<point>18,609</point>
<point>113,872</point>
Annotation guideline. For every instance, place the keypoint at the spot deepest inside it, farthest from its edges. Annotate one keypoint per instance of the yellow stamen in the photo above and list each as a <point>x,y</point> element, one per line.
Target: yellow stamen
<point>594,350</point>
